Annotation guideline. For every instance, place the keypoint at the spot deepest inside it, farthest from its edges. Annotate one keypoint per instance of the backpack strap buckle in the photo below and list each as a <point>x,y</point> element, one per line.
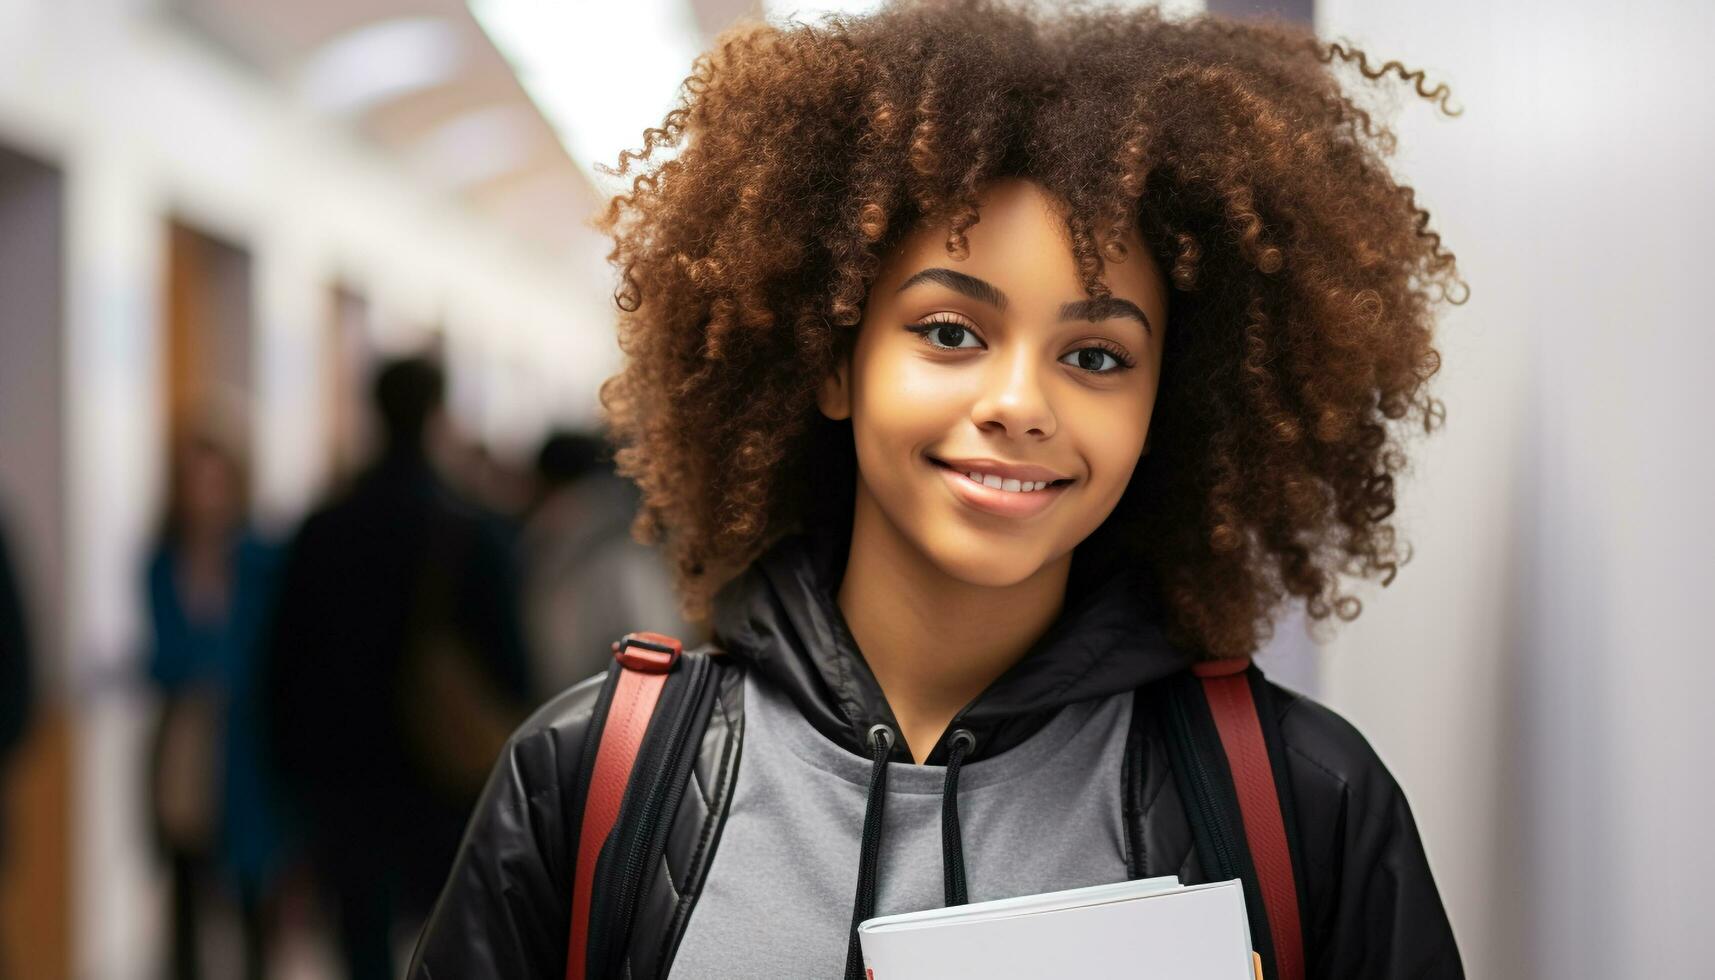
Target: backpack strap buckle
<point>651,653</point>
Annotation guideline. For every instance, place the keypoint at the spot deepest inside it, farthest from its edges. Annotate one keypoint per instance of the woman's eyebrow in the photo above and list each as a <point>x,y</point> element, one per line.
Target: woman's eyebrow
<point>983,291</point>
<point>1105,308</point>
<point>978,289</point>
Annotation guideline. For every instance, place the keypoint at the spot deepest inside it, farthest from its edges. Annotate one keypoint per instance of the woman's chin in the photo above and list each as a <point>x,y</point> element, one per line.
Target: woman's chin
<point>986,565</point>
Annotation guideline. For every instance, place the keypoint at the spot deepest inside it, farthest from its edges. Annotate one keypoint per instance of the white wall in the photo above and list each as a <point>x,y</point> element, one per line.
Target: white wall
<point>149,123</point>
<point>1536,678</point>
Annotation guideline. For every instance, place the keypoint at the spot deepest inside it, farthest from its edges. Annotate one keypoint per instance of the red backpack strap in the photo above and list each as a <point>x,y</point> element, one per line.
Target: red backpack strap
<point>645,660</point>
<point>1232,703</point>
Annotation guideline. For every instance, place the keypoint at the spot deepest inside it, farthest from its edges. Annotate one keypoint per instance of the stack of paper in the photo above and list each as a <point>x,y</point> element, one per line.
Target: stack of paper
<point>1151,928</point>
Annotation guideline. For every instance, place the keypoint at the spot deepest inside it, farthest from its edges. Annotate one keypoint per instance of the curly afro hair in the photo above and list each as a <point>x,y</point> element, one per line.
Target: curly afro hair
<point>1303,279</point>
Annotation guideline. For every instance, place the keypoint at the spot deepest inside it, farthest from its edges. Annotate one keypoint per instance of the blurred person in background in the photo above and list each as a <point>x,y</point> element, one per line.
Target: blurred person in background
<point>501,486</point>
<point>17,676</point>
<point>16,673</point>
<point>587,582</point>
<point>17,685</point>
<point>210,581</point>
<point>395,672</point>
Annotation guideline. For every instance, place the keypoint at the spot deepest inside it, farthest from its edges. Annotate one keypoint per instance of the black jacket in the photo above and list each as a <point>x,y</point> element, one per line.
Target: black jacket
<point>1373,909</point>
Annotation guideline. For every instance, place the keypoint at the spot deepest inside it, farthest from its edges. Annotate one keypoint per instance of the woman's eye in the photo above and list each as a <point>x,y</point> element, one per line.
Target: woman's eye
<point>951,336</point>
<point>1094,360</point>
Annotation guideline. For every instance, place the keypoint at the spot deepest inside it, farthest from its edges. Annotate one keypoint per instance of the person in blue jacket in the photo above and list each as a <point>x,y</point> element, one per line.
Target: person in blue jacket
<point>210,584</point>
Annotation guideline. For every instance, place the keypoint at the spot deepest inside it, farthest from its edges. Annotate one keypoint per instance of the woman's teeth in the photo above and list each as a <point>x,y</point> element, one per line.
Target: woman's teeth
<point>1010,486</point>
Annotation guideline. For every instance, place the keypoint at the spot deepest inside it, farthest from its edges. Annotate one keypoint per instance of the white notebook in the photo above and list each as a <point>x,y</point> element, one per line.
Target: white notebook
<point>1151,928</point>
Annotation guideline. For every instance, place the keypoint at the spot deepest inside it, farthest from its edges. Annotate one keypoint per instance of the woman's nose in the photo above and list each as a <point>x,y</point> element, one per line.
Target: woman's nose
<point>1014,398</point>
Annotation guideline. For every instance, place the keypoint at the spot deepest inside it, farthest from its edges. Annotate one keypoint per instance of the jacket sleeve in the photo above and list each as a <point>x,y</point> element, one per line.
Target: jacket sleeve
<point>1373,906</point>
<point>504,911</point>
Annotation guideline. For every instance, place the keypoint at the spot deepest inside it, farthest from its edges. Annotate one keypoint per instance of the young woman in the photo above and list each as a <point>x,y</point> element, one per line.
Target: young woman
<point>210,581</point>
<point>985,366</point>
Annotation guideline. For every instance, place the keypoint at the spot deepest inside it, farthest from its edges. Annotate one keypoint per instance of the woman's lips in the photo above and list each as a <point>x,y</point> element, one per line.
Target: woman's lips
<point>991,500</point>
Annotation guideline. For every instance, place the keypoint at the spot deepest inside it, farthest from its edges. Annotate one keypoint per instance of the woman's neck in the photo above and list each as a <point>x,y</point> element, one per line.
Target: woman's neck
<point>934,643</point>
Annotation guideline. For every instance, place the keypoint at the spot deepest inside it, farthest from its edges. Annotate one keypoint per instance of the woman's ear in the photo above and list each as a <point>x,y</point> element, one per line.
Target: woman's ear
<point>835,397</point>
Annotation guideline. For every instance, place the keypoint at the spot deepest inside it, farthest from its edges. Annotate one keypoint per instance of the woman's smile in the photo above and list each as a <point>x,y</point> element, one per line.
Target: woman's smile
<point>1006,490</point>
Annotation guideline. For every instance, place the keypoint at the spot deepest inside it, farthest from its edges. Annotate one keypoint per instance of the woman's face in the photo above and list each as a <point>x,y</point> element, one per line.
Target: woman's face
<point>998,412</point>
<point>209,491</point>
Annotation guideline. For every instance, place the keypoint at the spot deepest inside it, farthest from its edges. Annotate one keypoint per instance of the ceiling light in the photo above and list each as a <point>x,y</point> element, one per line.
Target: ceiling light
<point>600,72</point>
<point>478,146</point>
<point>377,62</point>
<point>812,11</point>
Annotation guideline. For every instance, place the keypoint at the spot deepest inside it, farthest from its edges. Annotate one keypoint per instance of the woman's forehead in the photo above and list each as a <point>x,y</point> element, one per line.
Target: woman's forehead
<point>1022,245</point>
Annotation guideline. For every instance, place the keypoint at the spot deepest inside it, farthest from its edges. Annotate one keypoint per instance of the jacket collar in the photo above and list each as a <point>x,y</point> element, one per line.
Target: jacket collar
<point>781,618</point>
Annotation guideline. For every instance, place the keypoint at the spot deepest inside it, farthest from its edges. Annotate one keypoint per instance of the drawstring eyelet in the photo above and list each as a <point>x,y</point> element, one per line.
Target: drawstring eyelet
<point>884,733</point>
<point>963,735</point>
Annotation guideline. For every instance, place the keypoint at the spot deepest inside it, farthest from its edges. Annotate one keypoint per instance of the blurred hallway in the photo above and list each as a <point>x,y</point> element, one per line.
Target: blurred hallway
<point>230,212</point>
<point>191,228</point>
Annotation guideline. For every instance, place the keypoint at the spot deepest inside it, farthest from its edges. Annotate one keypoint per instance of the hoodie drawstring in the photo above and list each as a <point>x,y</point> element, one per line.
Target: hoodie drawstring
<point>880,743</point>
<point>952,845</point>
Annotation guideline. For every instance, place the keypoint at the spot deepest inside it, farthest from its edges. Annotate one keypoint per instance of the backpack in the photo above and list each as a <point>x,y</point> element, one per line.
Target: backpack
<point>1227,761</point>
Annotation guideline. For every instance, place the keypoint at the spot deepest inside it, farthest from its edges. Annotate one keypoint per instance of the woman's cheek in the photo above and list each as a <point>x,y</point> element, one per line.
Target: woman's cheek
<point>1114,445</point>
<point>920,381</point>
<point>920,402</point>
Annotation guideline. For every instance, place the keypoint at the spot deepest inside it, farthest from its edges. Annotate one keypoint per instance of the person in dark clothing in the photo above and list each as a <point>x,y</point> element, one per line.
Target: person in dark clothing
<point>17,674</point>
<point>17,685</point>
<point>991,369</point>
<point>395,669</point>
